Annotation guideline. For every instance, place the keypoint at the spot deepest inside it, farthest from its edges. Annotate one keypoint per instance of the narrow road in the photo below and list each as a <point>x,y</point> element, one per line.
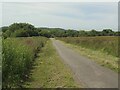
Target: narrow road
<point>86,72</point>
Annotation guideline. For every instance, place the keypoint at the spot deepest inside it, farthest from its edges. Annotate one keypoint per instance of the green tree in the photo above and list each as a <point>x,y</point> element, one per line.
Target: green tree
<point>107,32</point>
<point>4,29</point>
<point>82,33</point>
<point>20,33</point>
<point>93,33</point>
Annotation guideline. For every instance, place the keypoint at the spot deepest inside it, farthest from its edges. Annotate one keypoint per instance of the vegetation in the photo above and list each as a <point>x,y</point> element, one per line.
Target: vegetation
<point>19,53</point>
<point>104,50</point>
<point>107,45</point>
<point>18,56</point>
<point>49,71</point>
<point>28,30</point>
<point>19,30</point>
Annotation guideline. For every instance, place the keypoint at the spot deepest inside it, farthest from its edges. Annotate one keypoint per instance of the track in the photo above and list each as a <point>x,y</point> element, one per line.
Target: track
<point>86,72</point>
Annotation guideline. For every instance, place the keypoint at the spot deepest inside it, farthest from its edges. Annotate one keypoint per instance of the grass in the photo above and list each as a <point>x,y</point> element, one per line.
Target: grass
<point>49,71</point>
<point>18,57</point>
<point>98,55</point>
<point>106,44</point>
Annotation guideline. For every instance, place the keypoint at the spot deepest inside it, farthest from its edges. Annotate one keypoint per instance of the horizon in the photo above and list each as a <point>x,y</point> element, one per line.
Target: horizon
<point>62,28</point>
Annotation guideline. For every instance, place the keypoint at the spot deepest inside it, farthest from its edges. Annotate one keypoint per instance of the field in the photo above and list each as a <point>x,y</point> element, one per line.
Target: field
<point>21,55</point>
<point>102,49</point>
<point>18,57</point>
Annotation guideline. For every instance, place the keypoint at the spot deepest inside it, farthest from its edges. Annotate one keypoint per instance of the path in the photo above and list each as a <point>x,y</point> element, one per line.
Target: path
<point>87,72</point>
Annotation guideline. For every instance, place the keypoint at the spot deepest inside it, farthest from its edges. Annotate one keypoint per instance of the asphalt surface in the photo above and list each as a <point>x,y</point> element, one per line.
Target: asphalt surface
<point>86,72</point>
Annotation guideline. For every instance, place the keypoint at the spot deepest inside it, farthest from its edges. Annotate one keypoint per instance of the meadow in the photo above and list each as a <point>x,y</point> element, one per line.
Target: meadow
<point>18,56</point>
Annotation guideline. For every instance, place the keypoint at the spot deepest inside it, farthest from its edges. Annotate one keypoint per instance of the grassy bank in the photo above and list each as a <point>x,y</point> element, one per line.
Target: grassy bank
<point>106,44</point>
<point>103,50</point>
<point>18,57</point>
<point>49,71</point>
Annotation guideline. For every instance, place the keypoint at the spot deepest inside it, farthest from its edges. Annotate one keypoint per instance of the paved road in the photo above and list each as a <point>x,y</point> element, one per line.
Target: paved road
<point>86,72</point>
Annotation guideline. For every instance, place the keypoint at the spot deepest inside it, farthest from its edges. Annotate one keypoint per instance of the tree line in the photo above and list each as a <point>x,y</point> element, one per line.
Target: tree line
<point>28,30</point>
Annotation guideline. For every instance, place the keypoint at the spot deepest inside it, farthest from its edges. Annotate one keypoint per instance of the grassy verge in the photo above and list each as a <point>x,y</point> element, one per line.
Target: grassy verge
<point>100,57</point>
<point>106,44</point>
<point>49,71</point>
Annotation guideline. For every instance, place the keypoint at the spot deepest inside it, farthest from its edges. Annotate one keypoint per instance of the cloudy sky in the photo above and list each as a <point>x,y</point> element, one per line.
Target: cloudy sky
<point>74,15</point>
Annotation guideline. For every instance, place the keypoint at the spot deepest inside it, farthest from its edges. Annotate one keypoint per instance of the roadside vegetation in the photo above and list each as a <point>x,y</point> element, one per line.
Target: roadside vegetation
<point>49,71</point>
<point>18,57</point>
<point>102,49</point>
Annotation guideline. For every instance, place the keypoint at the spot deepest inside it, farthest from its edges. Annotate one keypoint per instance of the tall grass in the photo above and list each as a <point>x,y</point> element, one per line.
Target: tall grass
<point>18,56</point>
<point>106,44</point>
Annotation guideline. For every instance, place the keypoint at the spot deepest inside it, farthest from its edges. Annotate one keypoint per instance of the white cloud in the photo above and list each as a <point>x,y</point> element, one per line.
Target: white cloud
<point>66,15</point>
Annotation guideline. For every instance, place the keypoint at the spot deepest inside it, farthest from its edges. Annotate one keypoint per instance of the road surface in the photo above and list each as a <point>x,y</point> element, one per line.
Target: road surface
<point>86,72</point>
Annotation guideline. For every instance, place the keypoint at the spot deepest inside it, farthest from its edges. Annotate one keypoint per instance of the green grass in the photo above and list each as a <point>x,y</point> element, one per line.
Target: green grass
<point>106,44</point>
<point>49,71</point>
<point>18,56</point>
<point>104,58</point>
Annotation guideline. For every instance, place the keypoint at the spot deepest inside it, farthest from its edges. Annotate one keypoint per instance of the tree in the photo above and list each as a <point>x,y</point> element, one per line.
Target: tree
<point>71,33</point>
<point>82,33</point>
<point>93,33</point>
<point>107,32</point>
<point>20,33</point>
<point>28,30</point>
<point>18,26</point>
<point>45,33</point>
<point>4,29</point>
<point>19,30</point>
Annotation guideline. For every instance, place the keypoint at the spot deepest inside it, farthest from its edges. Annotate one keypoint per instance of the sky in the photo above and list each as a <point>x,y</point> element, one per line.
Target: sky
<point>67,15</point>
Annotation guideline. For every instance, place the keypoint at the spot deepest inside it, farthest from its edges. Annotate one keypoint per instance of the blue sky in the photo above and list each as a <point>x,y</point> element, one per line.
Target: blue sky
<point>79,15</point>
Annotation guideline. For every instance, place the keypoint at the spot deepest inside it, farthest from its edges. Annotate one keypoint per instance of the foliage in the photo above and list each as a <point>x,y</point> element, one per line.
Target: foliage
<point>19,30</point>
<point>106,44</point>
<point>28,30</point>
<point>18,55</point>
<point>107,32</point>
<point>4,29</point>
